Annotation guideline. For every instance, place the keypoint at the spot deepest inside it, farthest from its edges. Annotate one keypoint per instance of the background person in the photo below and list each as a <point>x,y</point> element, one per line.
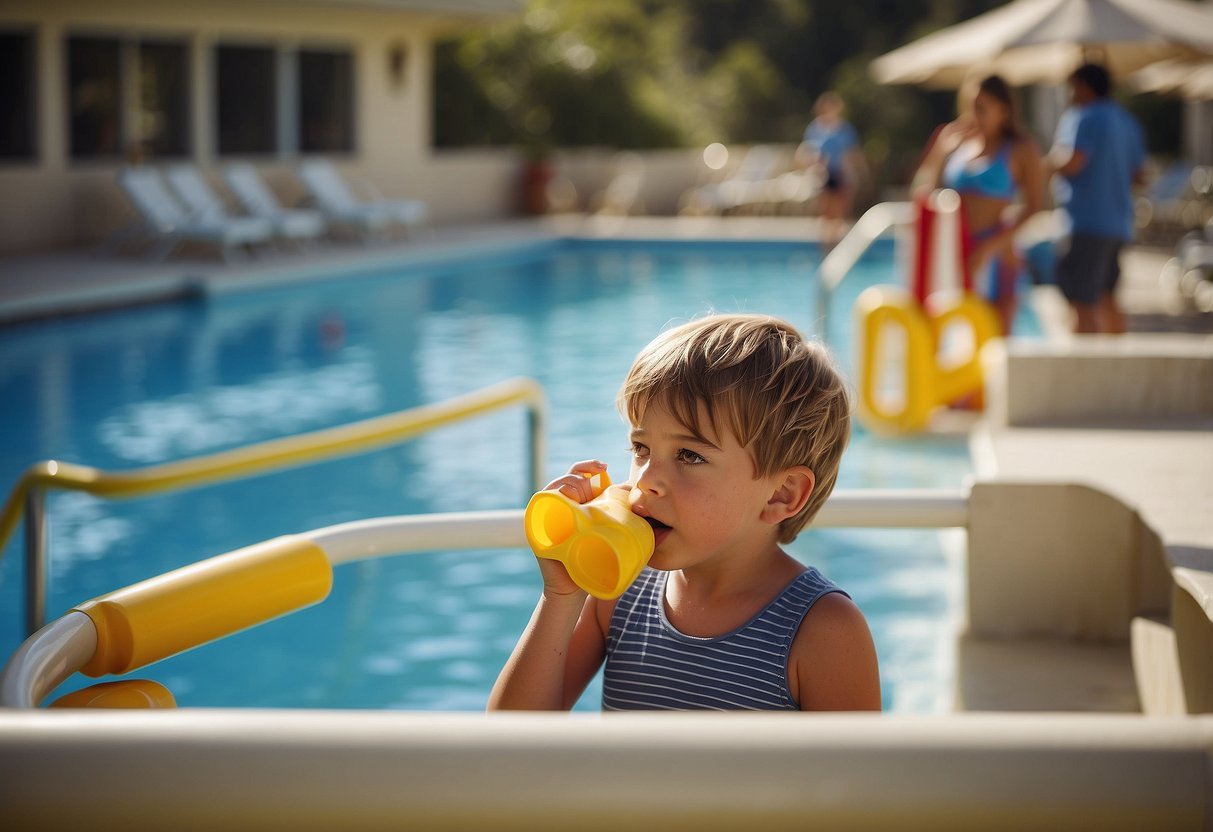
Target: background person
<point>832,145</point>
<point>1097,156</point>
<point>987,158</point>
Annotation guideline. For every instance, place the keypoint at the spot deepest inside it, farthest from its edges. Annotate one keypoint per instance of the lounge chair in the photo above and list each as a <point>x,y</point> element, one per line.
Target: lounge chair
<point>340,206</point>
<point>1169,206</point>
<point>170,224</point>
<point>753,186</point>
<point>202,201</point>
<point>289,223</point>
<point>1190,272</point>
<point>622,195</point>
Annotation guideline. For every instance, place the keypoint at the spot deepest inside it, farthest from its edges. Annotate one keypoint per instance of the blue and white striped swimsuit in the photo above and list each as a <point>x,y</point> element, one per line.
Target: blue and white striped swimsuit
<point>652,666</point>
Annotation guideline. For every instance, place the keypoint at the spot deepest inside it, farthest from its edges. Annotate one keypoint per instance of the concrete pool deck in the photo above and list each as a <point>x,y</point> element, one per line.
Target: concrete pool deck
<point>87,279</point>
<point>80,280</point>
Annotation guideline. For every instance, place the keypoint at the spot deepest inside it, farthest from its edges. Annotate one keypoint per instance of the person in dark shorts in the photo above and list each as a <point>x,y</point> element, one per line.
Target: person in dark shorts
<point>1097,156</point>
<point>832,145</point>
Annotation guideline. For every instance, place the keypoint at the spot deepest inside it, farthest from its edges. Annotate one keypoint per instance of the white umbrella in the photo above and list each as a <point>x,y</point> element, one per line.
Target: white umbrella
<point>1035,41</point>
<point>1187,78</point>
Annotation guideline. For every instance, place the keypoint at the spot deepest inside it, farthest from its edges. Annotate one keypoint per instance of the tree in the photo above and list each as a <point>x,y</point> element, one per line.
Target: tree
<point>660,73</point>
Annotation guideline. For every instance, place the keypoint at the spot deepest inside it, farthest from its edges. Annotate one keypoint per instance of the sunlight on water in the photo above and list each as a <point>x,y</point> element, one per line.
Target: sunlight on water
<point>223,416</point>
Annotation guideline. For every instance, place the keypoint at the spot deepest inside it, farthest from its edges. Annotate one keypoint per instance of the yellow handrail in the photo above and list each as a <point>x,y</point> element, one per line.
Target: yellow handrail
<point>277,454</point>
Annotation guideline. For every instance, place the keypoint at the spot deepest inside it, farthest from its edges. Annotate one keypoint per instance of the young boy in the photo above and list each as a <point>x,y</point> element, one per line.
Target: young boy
<point>738,427</point>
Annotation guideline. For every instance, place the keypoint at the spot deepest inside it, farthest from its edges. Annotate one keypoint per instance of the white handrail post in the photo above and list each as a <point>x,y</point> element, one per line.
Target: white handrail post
<point>824,296</point>
<point>537,429</point>
<point>46,659</point>
<point>35,559</point>
<point>842,258</point>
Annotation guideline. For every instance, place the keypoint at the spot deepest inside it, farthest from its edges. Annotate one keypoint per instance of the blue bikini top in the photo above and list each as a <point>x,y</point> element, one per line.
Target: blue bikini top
<point>968,174</point>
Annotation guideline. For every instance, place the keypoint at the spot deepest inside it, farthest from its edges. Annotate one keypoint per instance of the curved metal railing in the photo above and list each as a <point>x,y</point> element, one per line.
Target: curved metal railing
<point>842,258</point>
<point>173,612</point>
<point>275,455</point>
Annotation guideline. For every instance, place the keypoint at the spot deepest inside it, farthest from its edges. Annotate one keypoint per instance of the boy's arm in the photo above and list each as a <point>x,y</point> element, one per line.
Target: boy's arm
<point>832,664</point>
<point>557,655</point>
<point>563,645</point>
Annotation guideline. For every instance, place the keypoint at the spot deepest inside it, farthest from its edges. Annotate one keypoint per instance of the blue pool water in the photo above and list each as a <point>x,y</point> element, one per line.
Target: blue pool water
<point>136,387</point>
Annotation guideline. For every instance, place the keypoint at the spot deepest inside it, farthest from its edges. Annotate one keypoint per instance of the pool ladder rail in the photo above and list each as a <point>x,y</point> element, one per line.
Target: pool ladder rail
<point>28,496</point>
<point>148,621</point>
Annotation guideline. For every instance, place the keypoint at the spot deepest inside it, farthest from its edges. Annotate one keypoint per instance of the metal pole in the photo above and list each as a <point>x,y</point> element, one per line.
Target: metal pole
<point>35,559</point>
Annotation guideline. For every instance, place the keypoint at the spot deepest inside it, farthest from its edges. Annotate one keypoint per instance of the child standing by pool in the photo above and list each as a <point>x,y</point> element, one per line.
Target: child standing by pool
<point>737,427</point>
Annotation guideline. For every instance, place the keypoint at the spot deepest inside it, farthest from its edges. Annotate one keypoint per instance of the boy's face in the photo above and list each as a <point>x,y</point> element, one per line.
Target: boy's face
<point>699,493</point>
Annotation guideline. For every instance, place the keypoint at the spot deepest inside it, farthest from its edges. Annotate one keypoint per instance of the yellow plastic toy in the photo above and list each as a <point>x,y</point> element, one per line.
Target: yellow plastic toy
<point>927,378</point>
<point>959,379</point>
<point>601,543</point>
<point>124,694</point>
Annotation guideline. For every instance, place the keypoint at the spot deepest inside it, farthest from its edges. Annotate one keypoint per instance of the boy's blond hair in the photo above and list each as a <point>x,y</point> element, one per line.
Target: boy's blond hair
<point>780,396</point>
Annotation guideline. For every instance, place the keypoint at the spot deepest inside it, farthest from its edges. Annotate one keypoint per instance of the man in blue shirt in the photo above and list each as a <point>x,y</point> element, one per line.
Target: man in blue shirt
<point>831,143</point>
<point>1098,154</point>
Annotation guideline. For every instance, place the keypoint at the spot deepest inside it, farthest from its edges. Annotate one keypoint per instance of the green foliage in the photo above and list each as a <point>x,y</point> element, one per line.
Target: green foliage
<point>660,73</point>
<point>747,92</point>
<point>568,73</point>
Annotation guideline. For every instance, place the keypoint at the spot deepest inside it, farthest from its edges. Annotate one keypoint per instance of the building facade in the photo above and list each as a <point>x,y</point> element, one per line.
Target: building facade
<point>87,87</point>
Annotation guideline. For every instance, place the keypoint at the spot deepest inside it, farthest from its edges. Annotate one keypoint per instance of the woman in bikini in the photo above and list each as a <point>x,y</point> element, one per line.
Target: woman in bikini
<point>990,161</point>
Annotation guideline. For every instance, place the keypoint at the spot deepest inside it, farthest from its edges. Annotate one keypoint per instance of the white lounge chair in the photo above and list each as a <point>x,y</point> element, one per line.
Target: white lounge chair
<point>202,201</point>
<point>170,224</point>
<point>289,223</point>
<point>753,185</point>
<point>340,206</point>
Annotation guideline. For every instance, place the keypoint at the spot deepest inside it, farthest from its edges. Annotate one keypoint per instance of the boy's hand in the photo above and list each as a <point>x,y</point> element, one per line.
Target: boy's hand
<point>577,486</point>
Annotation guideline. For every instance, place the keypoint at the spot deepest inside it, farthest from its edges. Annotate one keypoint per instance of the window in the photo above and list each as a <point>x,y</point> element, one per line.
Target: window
<point>273,100</point>
<point>164,96</point>
<point>18,114</point>
<point>246,89</point>
<point>153,118</point>
<point>326,101</point>
<point>94,97</point>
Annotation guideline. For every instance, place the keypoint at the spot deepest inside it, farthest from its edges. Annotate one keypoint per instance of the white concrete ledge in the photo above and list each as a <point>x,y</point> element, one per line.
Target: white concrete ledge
<point>1058,560</point>
<point>1098,379</point>
<point>365,770</point>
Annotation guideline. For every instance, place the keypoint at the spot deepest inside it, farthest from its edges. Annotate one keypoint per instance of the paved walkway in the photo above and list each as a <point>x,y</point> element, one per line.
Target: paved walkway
<point>83,280</point>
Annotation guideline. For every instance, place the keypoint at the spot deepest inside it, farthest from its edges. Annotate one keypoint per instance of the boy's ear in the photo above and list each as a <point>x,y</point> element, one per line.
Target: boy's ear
<point>790,496</point>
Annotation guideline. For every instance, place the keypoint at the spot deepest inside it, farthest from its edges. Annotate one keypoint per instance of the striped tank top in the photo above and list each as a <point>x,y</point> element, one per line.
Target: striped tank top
<point>652,666</point>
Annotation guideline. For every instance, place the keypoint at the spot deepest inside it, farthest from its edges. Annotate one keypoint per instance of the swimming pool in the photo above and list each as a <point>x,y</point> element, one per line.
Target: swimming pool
<point>134,387</point>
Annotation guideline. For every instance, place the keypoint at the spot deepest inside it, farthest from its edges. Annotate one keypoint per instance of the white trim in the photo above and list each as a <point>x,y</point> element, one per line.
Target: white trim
<point>46,659</point>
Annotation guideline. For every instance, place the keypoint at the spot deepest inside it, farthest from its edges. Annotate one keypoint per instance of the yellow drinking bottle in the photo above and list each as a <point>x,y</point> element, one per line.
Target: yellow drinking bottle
<point>601,543</point>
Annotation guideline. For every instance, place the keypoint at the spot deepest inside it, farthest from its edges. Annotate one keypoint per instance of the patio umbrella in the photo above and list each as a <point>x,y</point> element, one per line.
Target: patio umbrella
<point>1042,41</point>
<point>1187,78</point>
